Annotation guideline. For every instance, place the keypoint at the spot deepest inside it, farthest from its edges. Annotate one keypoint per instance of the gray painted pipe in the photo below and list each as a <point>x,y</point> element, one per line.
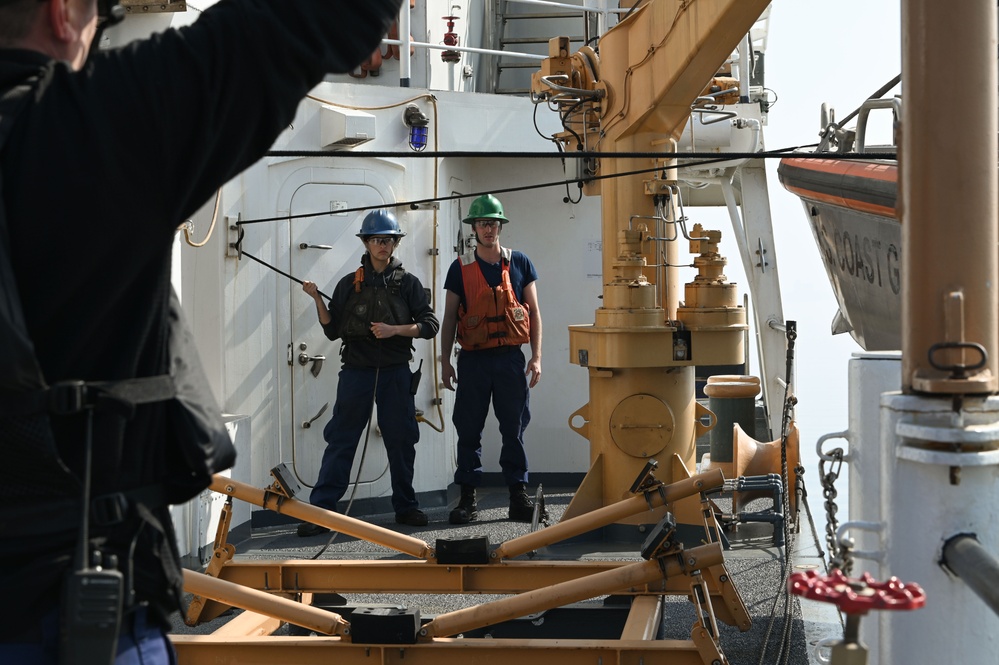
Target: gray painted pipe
<point>975,565</point>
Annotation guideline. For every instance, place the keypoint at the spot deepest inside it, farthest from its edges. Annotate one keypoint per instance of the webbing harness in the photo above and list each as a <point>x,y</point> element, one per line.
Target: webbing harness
<point>27,400</point>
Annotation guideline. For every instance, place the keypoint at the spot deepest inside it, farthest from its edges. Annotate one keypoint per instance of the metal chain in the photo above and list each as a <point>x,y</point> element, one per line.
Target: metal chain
<point>790,401</point>
<point>839,555</point>
<point>844,561</point>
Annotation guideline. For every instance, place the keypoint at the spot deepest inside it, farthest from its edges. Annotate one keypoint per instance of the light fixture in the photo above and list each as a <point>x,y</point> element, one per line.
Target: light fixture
<point>418,122</point>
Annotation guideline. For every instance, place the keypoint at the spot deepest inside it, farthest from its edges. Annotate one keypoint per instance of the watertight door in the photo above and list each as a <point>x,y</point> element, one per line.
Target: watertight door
<point>322,250</point>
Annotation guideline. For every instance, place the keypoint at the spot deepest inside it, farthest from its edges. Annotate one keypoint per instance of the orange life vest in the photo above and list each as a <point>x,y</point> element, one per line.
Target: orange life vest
<point>491,317</point>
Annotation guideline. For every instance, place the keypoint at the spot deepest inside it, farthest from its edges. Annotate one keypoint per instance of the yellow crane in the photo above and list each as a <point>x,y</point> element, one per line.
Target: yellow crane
<point>635,98</point>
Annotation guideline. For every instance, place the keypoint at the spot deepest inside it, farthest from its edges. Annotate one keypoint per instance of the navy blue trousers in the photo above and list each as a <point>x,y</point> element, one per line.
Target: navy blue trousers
<point>139,643</point>
<point>485,376</point>
<point>397,421</point>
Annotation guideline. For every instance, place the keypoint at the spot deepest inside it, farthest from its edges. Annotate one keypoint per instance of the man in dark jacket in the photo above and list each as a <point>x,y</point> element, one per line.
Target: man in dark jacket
<point>376,311</point>
<point>103,162</point>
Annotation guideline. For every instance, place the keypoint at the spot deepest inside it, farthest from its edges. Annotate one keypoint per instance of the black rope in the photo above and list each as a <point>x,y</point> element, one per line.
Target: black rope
<point>877,95</point>
<point>706,159</point>
<point>715,159</point>
<point>583,154</point>
<point>277,270</point>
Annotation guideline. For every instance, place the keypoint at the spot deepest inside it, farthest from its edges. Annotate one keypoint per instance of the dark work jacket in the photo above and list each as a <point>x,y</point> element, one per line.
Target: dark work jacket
<point>99,170</point>
<point>410,305</point>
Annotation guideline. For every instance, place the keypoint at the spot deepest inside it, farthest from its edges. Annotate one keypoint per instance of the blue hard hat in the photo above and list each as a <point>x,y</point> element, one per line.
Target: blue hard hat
<point>380,223</point>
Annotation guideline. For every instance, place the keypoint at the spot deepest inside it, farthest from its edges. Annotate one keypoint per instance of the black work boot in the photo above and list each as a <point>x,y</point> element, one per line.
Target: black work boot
<point>466,510</point>
<point>521,508</point>
<point>308,529</point>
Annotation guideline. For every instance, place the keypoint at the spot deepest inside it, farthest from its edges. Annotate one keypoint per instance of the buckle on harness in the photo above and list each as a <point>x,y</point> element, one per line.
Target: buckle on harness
<point>67,397</point>
<point>109,509</point>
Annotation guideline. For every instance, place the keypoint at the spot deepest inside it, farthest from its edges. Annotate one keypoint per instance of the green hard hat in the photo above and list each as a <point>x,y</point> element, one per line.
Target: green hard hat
<point>486,206</point>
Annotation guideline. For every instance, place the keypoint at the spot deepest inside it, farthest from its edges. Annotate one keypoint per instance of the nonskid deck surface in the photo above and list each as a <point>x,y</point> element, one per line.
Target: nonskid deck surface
<point>752,560</point>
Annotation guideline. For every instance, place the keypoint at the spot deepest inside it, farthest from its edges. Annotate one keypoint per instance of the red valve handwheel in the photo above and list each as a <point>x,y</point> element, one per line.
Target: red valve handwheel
<point>857,596</point>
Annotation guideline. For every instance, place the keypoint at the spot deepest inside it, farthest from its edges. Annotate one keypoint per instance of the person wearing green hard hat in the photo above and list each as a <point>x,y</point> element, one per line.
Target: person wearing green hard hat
<point>377,311</point>
<point>485,207</point>
<point>491,310</point>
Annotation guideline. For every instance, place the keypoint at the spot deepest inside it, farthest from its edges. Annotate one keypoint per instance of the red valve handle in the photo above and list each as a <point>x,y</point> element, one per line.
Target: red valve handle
<point>857,596</point>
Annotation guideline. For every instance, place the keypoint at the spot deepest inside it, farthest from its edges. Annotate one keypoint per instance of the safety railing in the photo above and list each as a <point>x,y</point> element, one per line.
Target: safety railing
<point>603,12</point>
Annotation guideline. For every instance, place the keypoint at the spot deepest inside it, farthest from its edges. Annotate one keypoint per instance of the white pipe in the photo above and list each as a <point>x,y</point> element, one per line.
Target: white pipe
<point>602,19</point>
<point>466,49</point>
<point>744,60</point>
<point>755,126</point>
<point>405,61</point>
<point>733,212</point>
<point>921,509</point>
<point>546,3</point>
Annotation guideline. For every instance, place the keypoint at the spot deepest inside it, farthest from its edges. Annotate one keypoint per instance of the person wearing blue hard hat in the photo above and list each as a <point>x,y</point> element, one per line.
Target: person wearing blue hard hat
<point>376,310</point>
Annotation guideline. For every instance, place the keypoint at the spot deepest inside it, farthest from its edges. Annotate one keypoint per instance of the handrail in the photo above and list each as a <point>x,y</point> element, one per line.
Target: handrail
<point>466,49</point>
<point>405,42</point>
<point>604,11</point>
<point>895,104</point>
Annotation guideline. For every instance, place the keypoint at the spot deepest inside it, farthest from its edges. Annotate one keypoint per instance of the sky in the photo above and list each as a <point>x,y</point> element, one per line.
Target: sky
<point>839,54</point>
<point>817,52</point>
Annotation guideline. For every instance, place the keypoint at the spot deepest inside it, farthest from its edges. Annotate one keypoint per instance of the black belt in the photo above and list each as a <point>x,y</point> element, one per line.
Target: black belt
<point>69,397</point>
<point>49,517</point>
<point>493,351</point>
